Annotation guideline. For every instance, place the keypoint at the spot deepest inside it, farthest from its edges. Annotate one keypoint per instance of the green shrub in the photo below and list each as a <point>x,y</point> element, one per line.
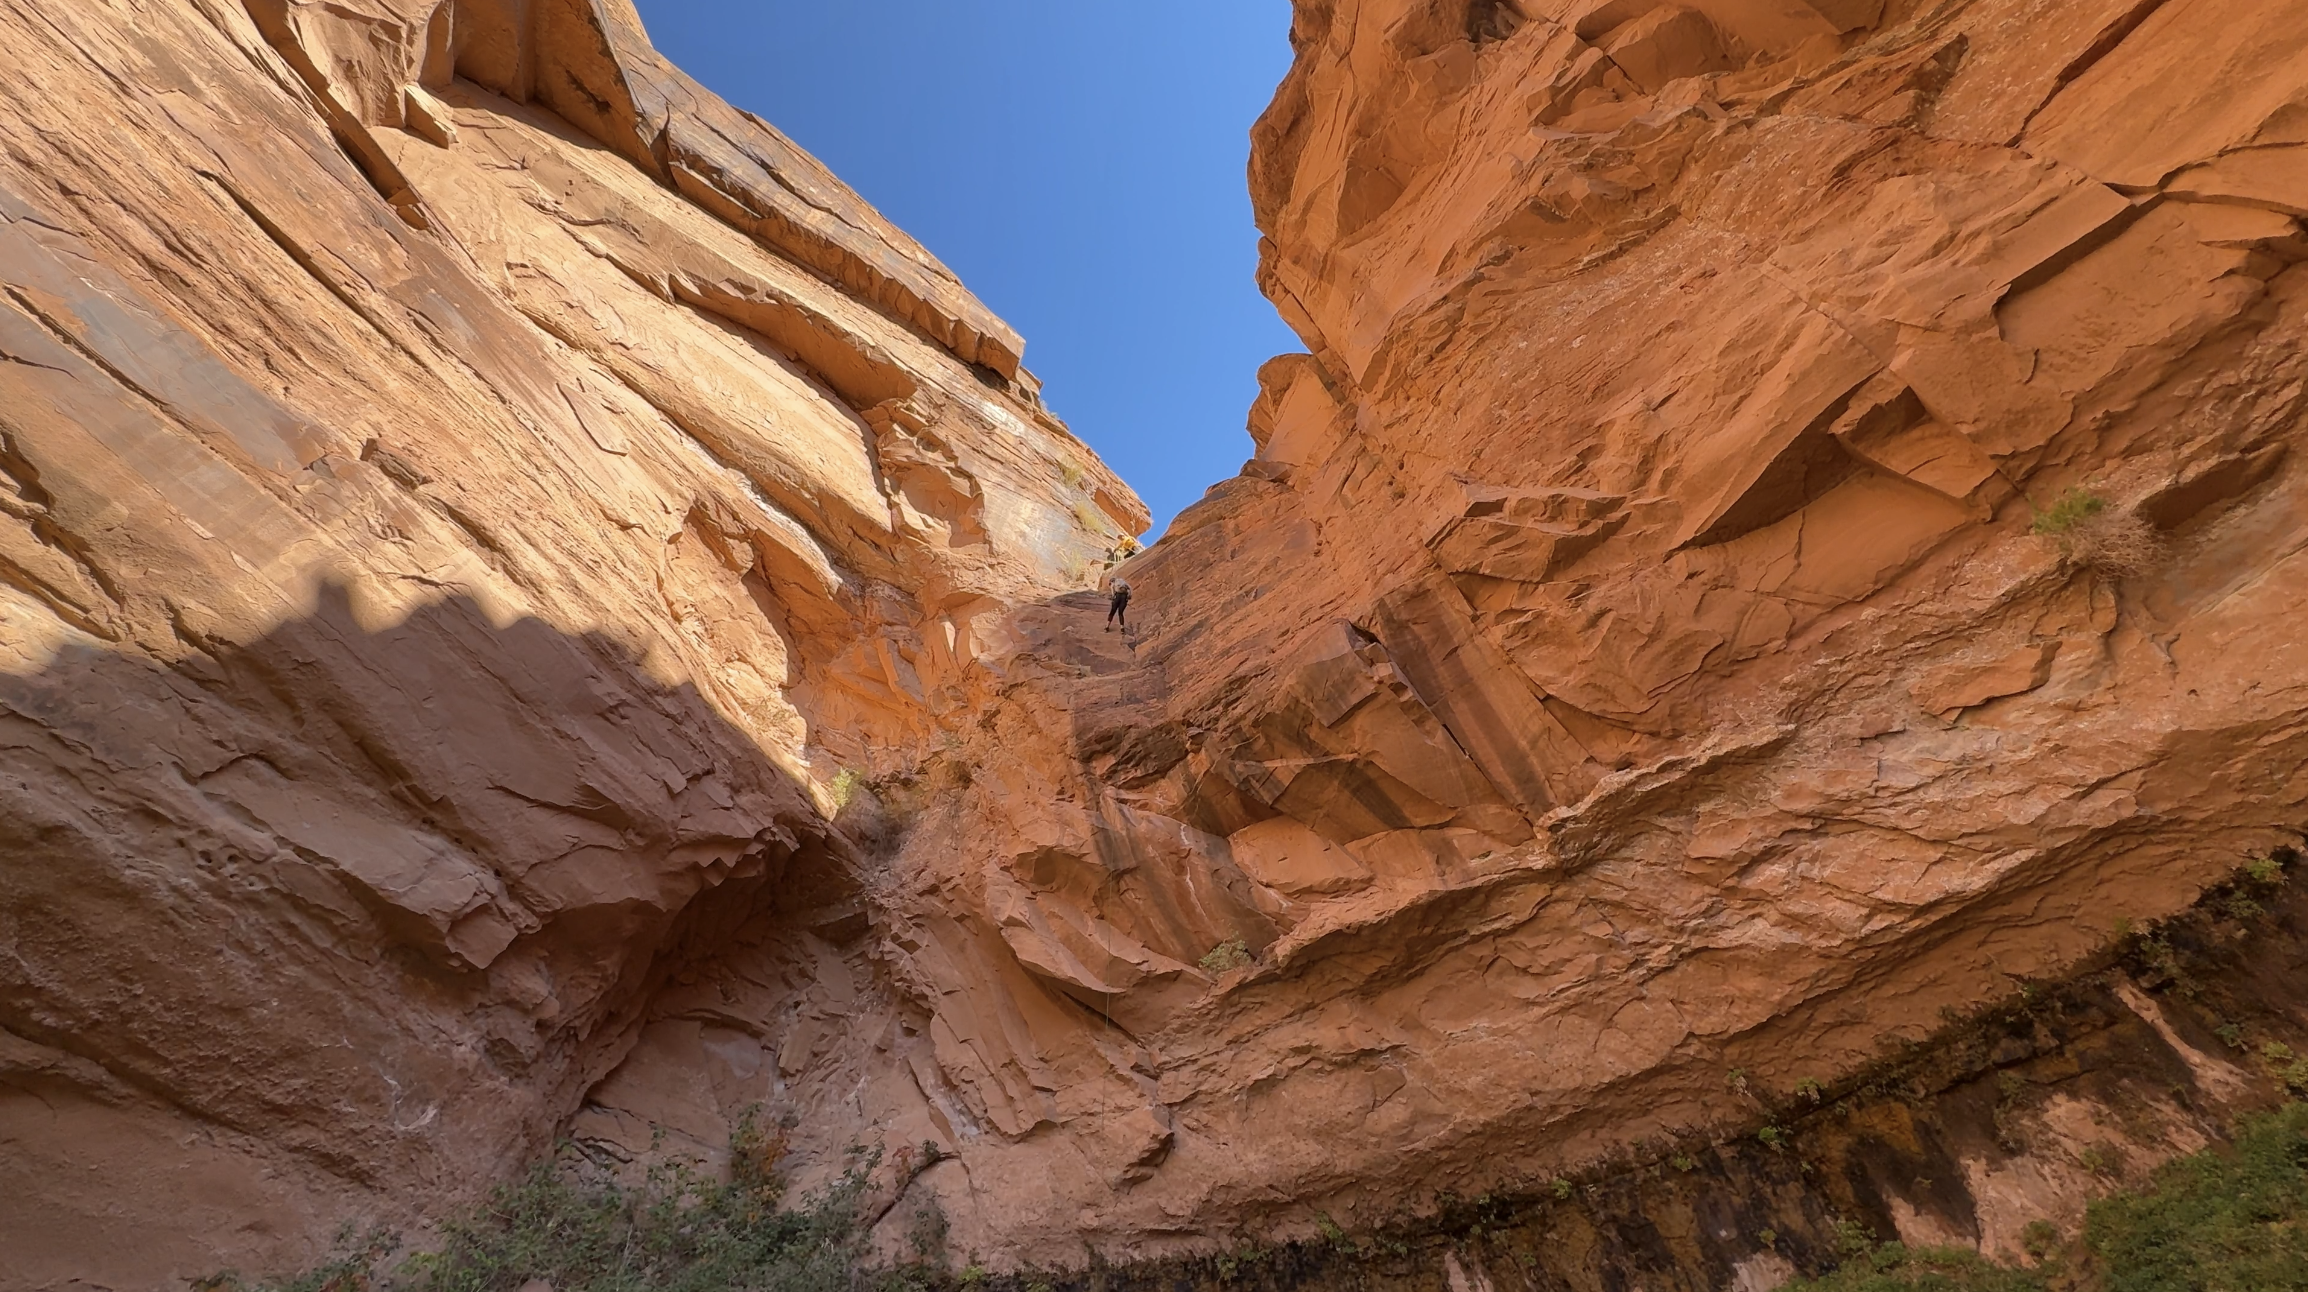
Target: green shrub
<point>2072,509</point>
<point>2093,534</point>
<point>1853,1239</point>
<point>2224,1220</point>
<point>676,1233</point>
<point>846,785</point>
<point>2218,1221</point>
<point>1227,956</point>
<point>2040,1239</point>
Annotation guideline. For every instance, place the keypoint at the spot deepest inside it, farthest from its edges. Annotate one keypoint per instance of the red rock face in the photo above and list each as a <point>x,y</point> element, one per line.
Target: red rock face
<point>1787,524</point>
<point>1633,655</point>
<point>452,545</point>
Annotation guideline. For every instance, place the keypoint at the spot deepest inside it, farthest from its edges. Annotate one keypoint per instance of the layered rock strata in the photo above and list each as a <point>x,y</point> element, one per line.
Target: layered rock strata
<point>1995,1134</point>
<point>1787,524</point>
<point>469,494</point>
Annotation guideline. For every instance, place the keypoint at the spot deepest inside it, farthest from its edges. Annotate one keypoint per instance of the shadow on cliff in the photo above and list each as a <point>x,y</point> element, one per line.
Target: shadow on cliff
<point>350,914</point>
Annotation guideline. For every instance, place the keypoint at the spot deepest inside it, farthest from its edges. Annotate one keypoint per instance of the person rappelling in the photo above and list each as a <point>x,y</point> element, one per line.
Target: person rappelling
<point>1118,607</point>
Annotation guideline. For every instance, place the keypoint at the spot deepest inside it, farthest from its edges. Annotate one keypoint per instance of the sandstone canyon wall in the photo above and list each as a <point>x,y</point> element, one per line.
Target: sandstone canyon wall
<point>475,493</point>
<point>469,495</point>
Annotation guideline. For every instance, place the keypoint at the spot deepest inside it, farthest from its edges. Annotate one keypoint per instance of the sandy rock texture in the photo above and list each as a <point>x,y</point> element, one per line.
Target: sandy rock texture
<point>530,609</point>
<point>469,494</point>
<point>1633,655</point>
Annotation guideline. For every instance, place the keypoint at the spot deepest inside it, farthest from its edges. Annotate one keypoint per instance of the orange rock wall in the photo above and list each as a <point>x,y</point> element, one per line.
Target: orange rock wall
<point>452,547</point>
<point>474,493</point>
<point>1632,657</point>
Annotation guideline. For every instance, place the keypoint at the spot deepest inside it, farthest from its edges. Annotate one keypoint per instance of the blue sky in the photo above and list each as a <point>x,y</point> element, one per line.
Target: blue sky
<point>1078,162</point>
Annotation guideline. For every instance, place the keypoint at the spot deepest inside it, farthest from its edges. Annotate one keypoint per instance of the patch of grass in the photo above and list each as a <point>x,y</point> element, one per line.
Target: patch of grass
<point>2217,1221</point>
<point>1089,517</point>
<point>2071,509</point>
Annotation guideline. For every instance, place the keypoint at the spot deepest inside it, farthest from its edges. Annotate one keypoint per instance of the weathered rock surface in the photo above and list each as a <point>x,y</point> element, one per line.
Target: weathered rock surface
<point>1630,657</point>
<point>452,544</point>
<point>2058,1095</point>
<point>473,492</point>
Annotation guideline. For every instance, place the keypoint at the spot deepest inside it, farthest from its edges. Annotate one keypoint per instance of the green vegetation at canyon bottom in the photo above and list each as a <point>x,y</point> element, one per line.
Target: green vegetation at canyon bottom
<point>678,1232</point>
<point>2231,1219</point>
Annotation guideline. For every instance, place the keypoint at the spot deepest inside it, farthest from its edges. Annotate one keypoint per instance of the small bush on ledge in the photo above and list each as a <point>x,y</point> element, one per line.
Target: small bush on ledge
<point>2072,508</point>
<point>1228,956</point>
<point>2093,534</point>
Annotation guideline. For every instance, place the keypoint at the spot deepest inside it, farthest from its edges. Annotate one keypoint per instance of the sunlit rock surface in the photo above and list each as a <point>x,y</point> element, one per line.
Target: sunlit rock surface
<point>1629,657</point>
<point>475,494</point>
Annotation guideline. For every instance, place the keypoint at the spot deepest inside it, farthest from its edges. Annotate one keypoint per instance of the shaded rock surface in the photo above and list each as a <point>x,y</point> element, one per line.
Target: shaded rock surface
<point>475,494</point>
<point>452,546</point>
<point>2003,1123</point>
